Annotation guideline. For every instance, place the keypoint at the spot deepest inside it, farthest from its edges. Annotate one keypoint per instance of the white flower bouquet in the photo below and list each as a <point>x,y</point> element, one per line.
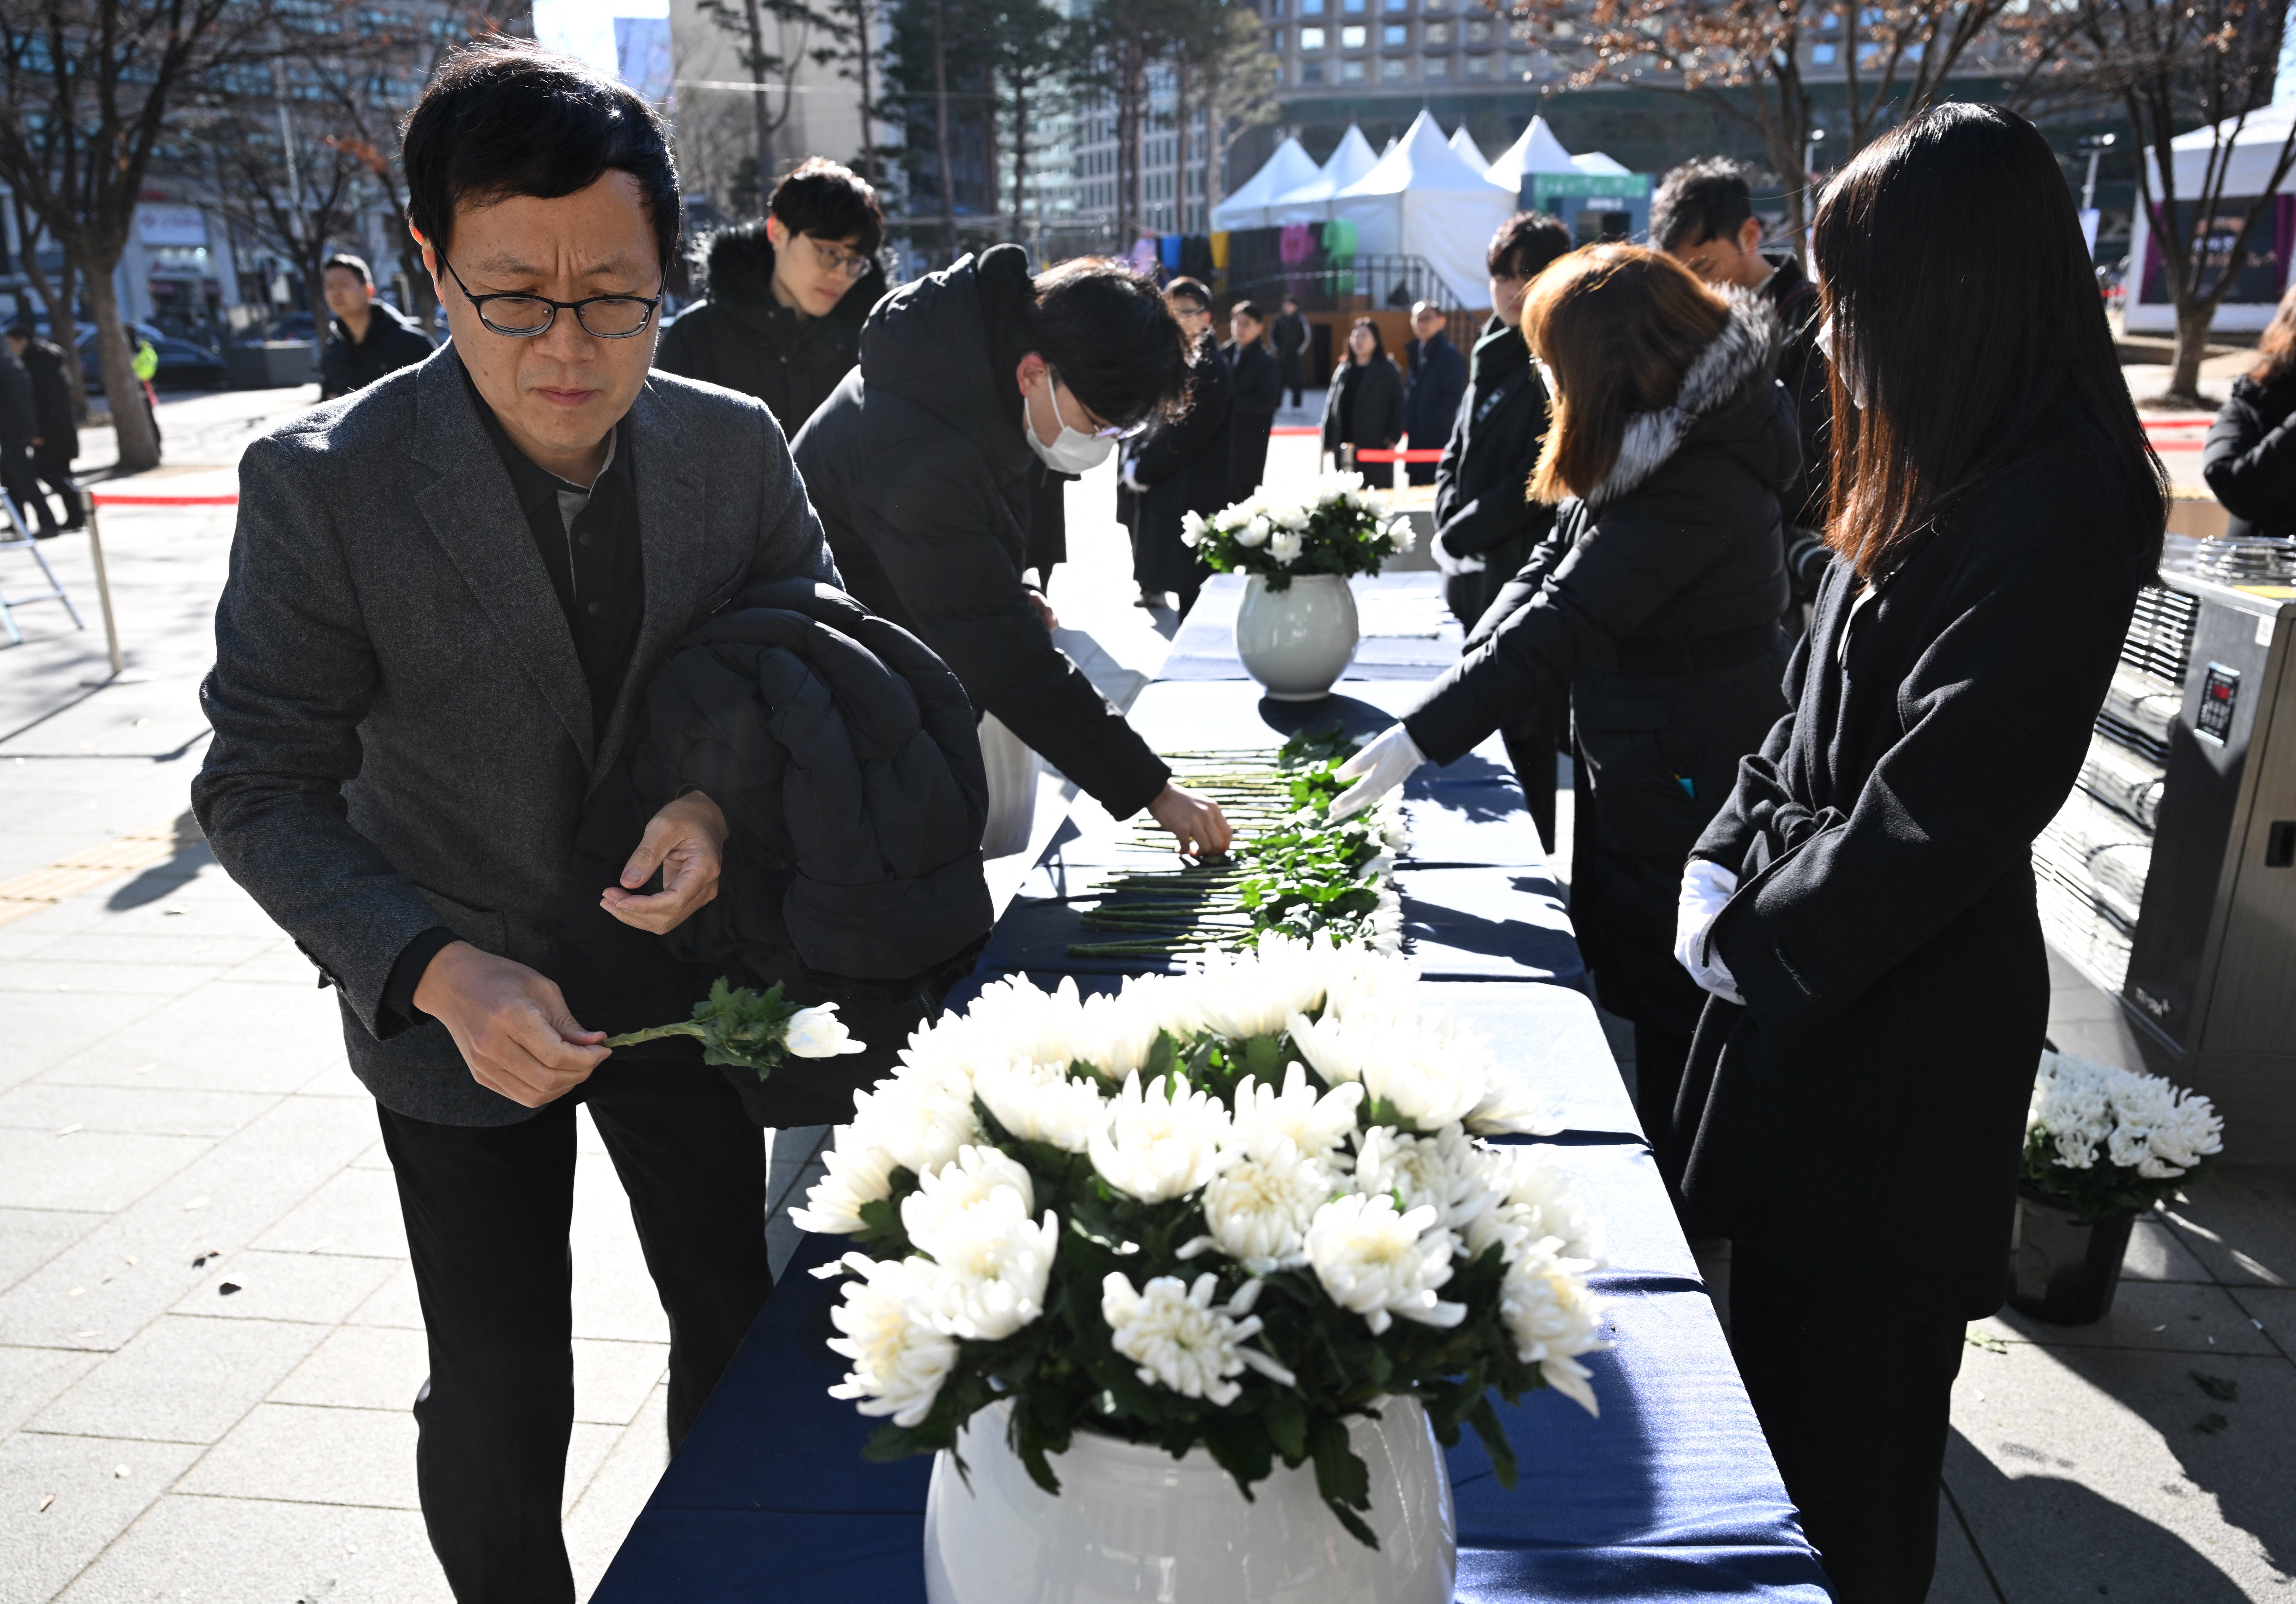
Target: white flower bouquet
<point>2105,1141</point>
<point>1230,1209</point>
<point>747,1030</point>
<point>1335,528</point>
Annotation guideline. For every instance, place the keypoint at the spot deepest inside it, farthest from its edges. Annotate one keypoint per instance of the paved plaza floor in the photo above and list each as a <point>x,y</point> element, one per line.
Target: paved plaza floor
<point>209,1335</point>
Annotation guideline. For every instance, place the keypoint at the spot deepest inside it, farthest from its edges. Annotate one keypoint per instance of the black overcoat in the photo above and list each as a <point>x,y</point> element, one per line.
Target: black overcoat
<point>1862,1117</point>
<point>1183,466</point>
<point>2250,459</point>
<point>1483,508</point>
<point>1257,385</point>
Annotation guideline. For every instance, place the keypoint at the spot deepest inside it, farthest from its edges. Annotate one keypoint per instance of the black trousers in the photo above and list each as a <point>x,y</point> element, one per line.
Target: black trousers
<point>488,1211</point>
<point>23,488</point>
<point>1659,1056</point>
<point>1854,1396</point>
<point>54,470</point>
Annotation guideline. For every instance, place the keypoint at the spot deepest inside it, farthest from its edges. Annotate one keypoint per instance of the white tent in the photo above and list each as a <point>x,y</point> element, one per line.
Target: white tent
<point>1290,167</point>
<point>1599,164</point>
<point>2255,151</point>
<point>1464,142</point>
<point>1535,151</point>
<point>1423,201</point>
<point>1311,202</point>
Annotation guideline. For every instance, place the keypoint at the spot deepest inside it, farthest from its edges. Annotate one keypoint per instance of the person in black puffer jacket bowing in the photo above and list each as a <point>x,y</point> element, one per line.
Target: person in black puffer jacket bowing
<point>1652,607</point>
<point>2250,459</point>
<point>842,754</point>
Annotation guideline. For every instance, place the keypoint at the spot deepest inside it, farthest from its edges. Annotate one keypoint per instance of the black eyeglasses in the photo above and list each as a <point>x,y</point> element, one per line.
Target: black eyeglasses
<point>524,316</point>
<point>854,266</point>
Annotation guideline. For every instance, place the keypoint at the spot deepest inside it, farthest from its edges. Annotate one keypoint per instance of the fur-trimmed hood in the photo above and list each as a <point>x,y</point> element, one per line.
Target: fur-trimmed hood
<point>738,270</point>
<point>1741,358</point>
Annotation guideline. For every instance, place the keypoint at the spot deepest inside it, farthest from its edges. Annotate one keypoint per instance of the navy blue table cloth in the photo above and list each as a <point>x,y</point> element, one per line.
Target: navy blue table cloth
<point>1672,1494</point>
<point>1407,632</point>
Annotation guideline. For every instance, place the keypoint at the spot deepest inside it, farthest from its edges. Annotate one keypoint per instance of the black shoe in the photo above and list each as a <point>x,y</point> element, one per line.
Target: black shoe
<point>74,526</point>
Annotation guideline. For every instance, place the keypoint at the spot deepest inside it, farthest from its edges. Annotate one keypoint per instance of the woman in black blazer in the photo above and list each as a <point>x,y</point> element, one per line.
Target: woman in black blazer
<point>1364,407</point>
<point>2249,461</point>
<point>1862,909</point>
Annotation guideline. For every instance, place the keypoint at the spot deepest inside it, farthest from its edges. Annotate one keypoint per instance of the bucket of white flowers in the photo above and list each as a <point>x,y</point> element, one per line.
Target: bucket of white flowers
<point>1296,627</point>
<point>2102,1145</point>
<point>1184,1285</point>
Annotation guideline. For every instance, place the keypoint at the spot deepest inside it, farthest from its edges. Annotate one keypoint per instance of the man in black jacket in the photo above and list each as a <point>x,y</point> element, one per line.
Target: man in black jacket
<point>1290,337</point>
<point>925,463</point>
<point>787,296</point>
<point>1257,385</point>
<point>1703,216</point>
<point>1485,523</point>
<point>367,338</point>
<point>1182,465</point>
<point>1431,394</point>
<point>55,440</point>
<point>20,423</point>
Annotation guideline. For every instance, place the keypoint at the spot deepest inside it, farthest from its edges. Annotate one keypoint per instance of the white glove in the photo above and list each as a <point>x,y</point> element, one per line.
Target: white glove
<point>1376,770</point>
<point>1706,888</point>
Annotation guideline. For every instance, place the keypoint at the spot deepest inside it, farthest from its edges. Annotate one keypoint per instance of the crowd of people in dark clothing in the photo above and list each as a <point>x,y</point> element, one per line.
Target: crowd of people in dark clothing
<point>1819,581</point>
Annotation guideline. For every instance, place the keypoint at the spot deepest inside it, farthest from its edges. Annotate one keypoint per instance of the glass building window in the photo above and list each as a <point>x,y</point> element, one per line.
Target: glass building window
<point>1391,68</point>
<point>1823,55</point>
<point>1311,38</point>
<point>1311,72</point>
<point>1394,35</point>
<point>1479,33</point>
<point>1435,67</point>
<point>1275,40</point>
<point>1478,66</point>
<point>1436,33</point>
<point>1352,38</point>
<point>1351,72</point>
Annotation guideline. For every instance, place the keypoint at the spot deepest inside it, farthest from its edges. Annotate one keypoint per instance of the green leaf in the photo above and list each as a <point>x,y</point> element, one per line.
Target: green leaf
<point>1286,1419</point>
<point>1485,1419</point>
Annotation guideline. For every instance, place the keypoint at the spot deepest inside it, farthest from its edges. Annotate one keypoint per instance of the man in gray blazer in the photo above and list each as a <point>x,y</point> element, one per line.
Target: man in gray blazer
<point>448,595</point>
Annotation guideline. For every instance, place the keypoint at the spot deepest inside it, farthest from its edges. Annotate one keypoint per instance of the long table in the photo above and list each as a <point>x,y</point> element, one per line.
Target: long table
<point>1671,1494</point>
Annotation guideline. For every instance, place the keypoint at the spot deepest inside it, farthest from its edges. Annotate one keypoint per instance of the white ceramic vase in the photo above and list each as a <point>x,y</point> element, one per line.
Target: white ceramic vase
<point>1297,640</point>
<point>1133,1524</point>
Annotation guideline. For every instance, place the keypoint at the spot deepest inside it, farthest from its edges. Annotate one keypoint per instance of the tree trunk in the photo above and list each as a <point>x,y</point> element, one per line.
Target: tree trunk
<point>946,179</point>
<point>765,111</point>
<point>139,444</point>
<point>2193,315</point>
<point>865,30</point>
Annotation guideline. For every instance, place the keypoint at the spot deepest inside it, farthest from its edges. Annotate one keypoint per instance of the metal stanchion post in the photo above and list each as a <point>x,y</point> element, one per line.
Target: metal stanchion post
<point>119,675</point>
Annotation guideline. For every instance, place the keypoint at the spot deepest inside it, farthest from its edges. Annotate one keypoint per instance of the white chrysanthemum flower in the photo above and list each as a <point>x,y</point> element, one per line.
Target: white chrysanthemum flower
<point>1400,535</point>
<point>1285,546</point>
<point>1444,1172</point>
<point>899,1358</point>
<point>964,1183</point>
<point>1316,1125</point>
<point>1554,1319</point>
<point>1418,1064</point>
<point>994,1263</point>
<point>1043,1103</point>
<point>1192,529</point>
<point>1259,1208</point>
<point>2087,1111</point>
<point>1256,532</point>
<point>920,1119</point>
<point>1179,1340</point>
<point>1161,1140</point>
<point>1380,1263</point>
<point>1510,1107</point>
<point>1115,1034</point>
<point>1294,517</point>
<point>858,1176</point>
<point>1538,1202</point>
<point>819,1033</point>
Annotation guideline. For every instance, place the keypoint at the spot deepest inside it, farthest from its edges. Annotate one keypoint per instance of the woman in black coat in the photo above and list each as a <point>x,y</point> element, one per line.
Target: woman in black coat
<point>2250,459</point>
<point>1862,908</point>
<point>1258,386</point>
<point>1180,466</point>
<point>1651,608</point>
<point>1364,407</point>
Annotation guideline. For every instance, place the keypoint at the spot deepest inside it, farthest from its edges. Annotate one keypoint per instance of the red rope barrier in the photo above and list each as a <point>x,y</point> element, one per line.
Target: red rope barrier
<point>105,499</point>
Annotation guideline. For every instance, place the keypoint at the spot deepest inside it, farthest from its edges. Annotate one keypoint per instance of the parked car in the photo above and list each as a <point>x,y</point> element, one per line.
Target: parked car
<point>184,364</point>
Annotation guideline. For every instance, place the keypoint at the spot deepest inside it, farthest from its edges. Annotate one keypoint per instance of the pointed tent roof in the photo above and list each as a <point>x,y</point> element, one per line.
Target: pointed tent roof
<point>1311,201</point>
<point>1421,159</point>
<point>1464,142</point>
<point>1424,200</point>
<point>1290,167</point>
<point>1535,151</point>
<point>1597,162</point>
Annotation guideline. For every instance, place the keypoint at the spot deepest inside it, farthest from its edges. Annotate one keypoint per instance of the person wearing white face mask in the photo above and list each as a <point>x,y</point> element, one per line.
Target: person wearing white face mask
<point>935,458</point>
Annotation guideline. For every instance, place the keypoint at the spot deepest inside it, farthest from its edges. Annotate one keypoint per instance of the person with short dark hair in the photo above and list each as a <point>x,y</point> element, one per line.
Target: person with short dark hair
<point>1703,216</point>
<point>55,440</point>
<point>1290,337</point>
<point>977,386</point>
<point>19,424</point>
<point>1364,406</point>
<point>366,338</point>
<point>787,295</point>
<point>1862,910</point>
<point>448,594</point>
<point>1257,385</point>
<point>1181,465</point>
<point>1430,395</point>
<point>1486,524</point>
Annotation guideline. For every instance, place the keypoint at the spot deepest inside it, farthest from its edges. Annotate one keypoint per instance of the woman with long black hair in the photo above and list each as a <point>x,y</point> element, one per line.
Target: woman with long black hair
<point>1862,908</point>
<point>1650,611</point>
<point>1364,407</point>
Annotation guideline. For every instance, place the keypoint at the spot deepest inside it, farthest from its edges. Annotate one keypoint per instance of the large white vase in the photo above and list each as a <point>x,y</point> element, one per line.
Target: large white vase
<point>1297,640</point>
<point>1134,1525</point>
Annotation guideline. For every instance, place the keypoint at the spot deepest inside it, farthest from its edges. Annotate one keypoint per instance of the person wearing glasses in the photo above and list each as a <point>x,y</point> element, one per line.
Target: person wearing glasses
<point>448,592</point>
<point>980,387</point>
<point>1181,466</point>
<point>788,295</point>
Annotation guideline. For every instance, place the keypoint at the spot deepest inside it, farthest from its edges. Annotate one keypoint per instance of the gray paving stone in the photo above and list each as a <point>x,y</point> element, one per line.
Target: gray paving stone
<point>181,1380</point>
<point>275,965</point>
<point>395,1304</point>
<point>336,1080</point>
<point>97,1171</point>
<point>46,1027</point>
<point>42,1550</point>
<point>614,1296</point>
<point>30,1378</point>
<point>191,1549</point>
<point>300,1455</point>
<point>2241,1222</point>
<point>47,1107</point>
<point>613,1380</point>
<point>39,974</point>
<point>224,1037</point>
<point>587,1448</point>
<point>31,1236</point>
<point>2167,1316</point>
<point>2157,1251</point>
<point>356,1212</point>
<point>373,1159</point>
<point>314,1288</point>
<point>2082,1468</point>
<point>360,1367</point>
<point>1960,1577</point>
<point>143,946</point>
<point>2273,1311</point>
<point>601,1517</point>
